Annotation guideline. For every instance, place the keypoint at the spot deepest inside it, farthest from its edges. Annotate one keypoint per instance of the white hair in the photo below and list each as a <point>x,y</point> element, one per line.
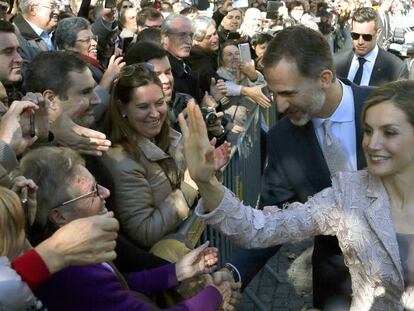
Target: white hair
<point>24,4</point>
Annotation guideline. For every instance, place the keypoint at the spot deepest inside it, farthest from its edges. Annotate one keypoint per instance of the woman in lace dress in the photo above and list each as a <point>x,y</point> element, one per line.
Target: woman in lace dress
<point>371,212</point>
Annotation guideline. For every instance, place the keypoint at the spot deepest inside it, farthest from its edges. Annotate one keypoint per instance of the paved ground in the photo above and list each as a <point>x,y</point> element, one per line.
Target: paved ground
<point>292,264</point>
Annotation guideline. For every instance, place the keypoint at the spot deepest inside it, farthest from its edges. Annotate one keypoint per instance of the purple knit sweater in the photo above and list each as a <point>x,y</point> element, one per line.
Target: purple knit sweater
<point>96,288</point>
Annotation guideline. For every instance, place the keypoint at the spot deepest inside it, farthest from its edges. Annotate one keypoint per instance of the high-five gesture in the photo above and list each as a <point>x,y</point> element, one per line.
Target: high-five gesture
<point>199,155</point>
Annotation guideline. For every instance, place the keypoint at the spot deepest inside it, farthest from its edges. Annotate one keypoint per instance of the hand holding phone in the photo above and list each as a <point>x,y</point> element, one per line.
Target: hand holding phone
<point>245,55</point>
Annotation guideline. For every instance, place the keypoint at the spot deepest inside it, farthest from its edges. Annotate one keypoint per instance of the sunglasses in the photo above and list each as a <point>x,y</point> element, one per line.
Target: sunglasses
<point>366,37</point>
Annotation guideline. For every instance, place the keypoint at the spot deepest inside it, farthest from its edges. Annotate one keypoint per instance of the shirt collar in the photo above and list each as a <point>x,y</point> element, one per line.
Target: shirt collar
<point>36,28</point>
<point>371,56</point>
<point>343,113</point>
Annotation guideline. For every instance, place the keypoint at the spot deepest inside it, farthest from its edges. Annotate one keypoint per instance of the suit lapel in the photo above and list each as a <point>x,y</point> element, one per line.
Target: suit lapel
<point>379,218</point>
<point>360,94</point>
<point>377,70</point>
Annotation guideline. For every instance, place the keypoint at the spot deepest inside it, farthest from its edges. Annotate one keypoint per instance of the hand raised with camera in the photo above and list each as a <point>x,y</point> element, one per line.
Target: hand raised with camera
<point>10,128</point>
<point>83,241</point>
<point>41,115</point>
<point>201,260</point>
<point>115,66</point>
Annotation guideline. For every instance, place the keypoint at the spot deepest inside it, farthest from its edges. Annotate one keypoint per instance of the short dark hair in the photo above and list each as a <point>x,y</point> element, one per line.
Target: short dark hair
<point>50,70</point>
<point>141,52</point>
<point>260,38</point>
<point>295,3</point>
<point>147,13</point>
<point>150,34</point>
<point>6,26</point>
<point>365,15</point>
<point>304,46</point>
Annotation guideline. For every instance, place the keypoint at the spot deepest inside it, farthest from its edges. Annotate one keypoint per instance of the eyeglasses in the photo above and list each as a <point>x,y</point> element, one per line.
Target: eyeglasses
<point>367,37</point>
<point>181,35</point>
<point>88,40</point>
<point>50,7</point>
<point>127,6</point>
<point>92,193</point>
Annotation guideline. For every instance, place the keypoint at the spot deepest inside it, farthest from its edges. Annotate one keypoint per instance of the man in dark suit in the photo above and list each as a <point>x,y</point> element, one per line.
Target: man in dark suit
<point>367,63</point>
<point>306,89</point>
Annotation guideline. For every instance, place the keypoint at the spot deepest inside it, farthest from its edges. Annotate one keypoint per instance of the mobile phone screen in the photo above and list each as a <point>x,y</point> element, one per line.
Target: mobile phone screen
<point>245,55</point>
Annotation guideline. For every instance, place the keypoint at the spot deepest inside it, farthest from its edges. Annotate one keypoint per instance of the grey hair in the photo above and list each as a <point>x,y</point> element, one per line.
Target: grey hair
<point>67,31</point>
<point>24,4</point>
<point>199,26</point>
<point>167,25</point>
<point>53,169</point>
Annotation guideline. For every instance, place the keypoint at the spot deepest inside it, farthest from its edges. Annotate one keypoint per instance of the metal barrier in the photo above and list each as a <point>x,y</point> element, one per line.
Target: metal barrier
<point>243,176</point>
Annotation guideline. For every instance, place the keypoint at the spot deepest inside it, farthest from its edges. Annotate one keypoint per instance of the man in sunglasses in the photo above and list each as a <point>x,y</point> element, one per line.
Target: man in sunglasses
<point>367,63</point>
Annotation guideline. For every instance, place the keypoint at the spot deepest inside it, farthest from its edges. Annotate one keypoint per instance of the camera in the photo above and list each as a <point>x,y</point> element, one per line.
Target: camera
<point>209,115</point>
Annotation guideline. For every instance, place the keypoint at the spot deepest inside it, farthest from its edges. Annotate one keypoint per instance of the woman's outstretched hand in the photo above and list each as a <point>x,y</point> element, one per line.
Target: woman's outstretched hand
<point>199,153</point>
<point>201,260</point>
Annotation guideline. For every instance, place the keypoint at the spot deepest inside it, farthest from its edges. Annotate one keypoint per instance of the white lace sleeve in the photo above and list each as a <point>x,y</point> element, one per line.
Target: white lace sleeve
<point>253,228</point>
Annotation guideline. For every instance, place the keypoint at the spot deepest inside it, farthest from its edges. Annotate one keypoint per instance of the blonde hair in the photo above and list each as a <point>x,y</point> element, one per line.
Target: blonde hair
<point>11,220</point>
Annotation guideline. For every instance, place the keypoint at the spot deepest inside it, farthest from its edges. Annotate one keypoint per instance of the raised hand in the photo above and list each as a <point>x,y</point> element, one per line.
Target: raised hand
<point>10,128</point>
<point>82,139</point>
<point>42,123</point>
<point>221,154</point>
<point>201,260</point>
<point>199,156</point>
<point>218,89</point>
<point>256,94</point>
<point>198,151</point>
<point>249,70</point>
<point>112,72</point>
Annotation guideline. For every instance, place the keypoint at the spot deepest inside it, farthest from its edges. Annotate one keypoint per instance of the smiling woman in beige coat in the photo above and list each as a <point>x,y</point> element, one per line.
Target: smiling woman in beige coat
<point>146,162</point>
<point>371,212</point>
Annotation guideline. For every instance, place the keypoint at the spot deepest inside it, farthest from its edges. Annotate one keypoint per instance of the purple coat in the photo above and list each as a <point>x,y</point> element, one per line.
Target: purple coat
<point>97,288</point>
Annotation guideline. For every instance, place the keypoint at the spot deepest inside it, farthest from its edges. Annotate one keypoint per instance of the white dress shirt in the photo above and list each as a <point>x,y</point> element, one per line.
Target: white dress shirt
<point>343,125</point>
<point>46,36</point>
<point>368,66</point>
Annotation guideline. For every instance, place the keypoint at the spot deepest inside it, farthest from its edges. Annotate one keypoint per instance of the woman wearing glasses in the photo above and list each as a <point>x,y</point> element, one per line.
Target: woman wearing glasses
<point>75,34</point>
<point>151,196</point>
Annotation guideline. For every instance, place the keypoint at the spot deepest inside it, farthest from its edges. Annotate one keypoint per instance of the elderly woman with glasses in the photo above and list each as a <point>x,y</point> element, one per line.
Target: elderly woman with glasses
<point>101,286</point>
<point>75,34</point>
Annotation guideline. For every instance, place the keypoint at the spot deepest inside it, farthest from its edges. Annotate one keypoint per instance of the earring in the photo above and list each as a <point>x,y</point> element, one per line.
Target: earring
<point>124,115</point>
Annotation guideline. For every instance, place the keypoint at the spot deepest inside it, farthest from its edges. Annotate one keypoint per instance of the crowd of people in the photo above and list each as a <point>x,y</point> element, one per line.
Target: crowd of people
<point>116,123</point>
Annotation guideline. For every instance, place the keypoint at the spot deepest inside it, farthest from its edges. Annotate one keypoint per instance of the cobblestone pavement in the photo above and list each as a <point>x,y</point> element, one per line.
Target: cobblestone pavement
<point>294,293</point>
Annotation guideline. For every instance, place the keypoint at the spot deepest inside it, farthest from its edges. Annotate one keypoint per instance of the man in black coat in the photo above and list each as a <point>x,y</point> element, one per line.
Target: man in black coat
<point>367,63</point>
<point>306,89</point>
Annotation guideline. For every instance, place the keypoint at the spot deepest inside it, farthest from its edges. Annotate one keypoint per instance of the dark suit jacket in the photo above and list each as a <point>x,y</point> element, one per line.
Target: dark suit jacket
<point>297,169</point>
<point>185,82</point>
<point>387,67</point>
